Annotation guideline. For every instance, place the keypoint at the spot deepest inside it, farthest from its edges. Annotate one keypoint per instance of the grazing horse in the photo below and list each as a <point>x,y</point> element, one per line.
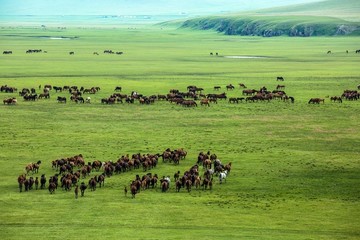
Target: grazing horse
<point>61,99</point>
<point>10,101</point>
<point>229,87</point>
<point>205,101</point>
<point>217,88</point>
<point>242,85</point>
<point>280,79</point>
<point>233,100</point>
<point>189,103</point>
<point>336,99</point>
<point>280,87</point>
<point>316,100</point>
<point>118,89</point>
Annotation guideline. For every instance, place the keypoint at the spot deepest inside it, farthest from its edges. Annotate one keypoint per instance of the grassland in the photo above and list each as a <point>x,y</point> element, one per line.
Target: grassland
<point>295,166</point>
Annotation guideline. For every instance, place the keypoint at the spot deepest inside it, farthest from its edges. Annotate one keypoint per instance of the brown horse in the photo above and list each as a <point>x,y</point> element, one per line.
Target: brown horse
<point>21,180</point>
<point>316,100</point>
<point>207,164</point>
<point>188,185</point>
<point>207,183</point>
<point>164,185</point>
<point>228,167</point>
<point>52,187</point>
<point>205,101</point>
<point>101,179</point>
<point>133,190</point>
<point>178,185</point>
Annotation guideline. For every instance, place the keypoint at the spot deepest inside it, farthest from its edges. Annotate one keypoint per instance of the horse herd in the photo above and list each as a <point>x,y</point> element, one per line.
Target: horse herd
<point>73,170</point>
<point>7,52</point>
<point>190,98</point>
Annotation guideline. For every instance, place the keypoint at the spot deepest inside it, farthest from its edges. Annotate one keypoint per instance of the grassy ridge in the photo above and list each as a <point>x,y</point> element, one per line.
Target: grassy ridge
<point>266,26</point>
<point>294,165</point>
<point>326,18</point>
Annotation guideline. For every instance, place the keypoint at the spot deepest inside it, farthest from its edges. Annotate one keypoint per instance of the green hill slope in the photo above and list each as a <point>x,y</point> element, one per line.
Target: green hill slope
<point>327,18</point>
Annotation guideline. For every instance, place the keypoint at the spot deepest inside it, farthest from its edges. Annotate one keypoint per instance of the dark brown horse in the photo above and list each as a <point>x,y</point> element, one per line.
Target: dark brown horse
<point>133,190</point>
<point>228,167</point>
<point>336,99</point>
<point>52,187</point>
<point>101,179</point>
<point>316,100</point>
<point>164,185</point>
<point>229,87</point>
<point>21,180</point>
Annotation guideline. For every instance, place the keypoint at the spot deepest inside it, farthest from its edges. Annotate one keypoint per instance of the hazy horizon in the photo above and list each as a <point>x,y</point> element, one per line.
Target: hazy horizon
<point>135,7</point>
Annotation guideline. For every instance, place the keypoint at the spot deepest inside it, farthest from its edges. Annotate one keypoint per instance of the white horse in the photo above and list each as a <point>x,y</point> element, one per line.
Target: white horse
<point>222,176</point>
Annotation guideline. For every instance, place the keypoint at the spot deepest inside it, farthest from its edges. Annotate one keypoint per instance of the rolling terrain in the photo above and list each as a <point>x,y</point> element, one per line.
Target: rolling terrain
<point>326,18</point>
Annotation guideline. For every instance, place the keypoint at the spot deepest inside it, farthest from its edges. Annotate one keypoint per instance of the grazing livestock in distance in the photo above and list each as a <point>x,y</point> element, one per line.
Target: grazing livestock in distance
<point>336,99</point>
<point>61,99</point>
<point>316,100</point>
<point>242,85</point>
<point>278,87</point>
<point>280,79</point>
<point>10,101</point>
<point>7,52</point>
<point>118,89</point>
<point>205,102</point>
<point>230,87</point>
<point>71,53</point>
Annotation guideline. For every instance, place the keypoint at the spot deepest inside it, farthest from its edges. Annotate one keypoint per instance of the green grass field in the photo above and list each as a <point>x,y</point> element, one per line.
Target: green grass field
<point>295,171</point>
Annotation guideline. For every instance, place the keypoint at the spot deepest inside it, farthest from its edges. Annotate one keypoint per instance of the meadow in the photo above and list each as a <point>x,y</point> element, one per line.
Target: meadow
<point>295,167</point>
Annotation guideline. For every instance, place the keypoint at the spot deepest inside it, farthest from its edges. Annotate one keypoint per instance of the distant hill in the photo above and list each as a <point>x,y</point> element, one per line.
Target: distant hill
<point>326,18</point>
